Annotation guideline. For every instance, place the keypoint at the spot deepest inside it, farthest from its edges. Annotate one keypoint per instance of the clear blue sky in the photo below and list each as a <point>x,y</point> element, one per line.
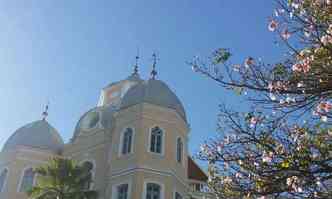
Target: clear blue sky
<point>66,51</point>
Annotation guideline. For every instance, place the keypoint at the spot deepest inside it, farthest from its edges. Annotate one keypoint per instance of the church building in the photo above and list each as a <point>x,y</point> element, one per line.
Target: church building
<point>136,138</point>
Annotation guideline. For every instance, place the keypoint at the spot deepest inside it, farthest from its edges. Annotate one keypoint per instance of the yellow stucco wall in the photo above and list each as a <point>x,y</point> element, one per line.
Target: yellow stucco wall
<point>101,147</point>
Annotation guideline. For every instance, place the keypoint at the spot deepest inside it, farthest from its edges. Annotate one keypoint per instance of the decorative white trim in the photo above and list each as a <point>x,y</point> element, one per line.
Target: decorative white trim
<point>39,151</point>
<point>31,160</point>
<point>18,189</point>
<point>93,172</point>
<point>162,188</point>
<point>78,152</point>
<point>114,188</point>
<point>162,141</point>
<point>5,180</point>
<point>148,170</point>
<point>121,142</point>
<point>184,129</point>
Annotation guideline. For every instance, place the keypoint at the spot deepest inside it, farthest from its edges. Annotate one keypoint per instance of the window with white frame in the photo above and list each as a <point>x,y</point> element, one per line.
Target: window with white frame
<point>122,191</point>
<point>153,191</point>
<point>3,178</point>
<point>27,180</point>
<point>179,150</point>
<point>178,196</point>
<point>156,140</point>
<point>127,139</point>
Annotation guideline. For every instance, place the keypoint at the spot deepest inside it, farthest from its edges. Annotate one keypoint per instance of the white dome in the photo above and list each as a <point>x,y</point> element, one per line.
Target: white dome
<point>39,134</point>
<point>154,92</point>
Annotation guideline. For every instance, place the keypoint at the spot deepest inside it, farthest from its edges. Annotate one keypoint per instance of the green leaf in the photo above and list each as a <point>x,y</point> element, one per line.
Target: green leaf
<point>221,55</point>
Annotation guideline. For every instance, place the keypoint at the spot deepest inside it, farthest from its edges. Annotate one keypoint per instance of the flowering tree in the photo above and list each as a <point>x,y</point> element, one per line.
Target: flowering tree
<point>282,148</point>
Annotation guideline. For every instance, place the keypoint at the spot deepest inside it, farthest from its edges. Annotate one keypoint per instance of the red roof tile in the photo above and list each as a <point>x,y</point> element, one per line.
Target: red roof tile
<point>194,172</point>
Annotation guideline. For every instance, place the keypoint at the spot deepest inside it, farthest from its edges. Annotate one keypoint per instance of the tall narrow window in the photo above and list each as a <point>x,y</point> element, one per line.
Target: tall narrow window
<point>179,150</point>
<point>126,141</point>
<point>3,178</point>
<point>156,141</point>
<point>89,167</point>
<point>178,196</point>
<point>153,191</point>
<point>27,180</point>
<point>122,191</point>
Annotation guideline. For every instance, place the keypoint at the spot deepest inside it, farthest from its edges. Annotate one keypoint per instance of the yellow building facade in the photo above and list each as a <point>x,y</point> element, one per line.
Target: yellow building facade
<point>136,138</point>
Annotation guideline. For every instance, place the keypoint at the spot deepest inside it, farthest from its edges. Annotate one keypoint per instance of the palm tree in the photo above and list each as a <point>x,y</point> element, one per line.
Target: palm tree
<point>63,179</point>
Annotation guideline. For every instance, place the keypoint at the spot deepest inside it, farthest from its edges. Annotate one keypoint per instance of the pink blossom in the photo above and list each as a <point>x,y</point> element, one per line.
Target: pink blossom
<point>324,106</point>
<point>303,66</point>
<point>285,34</point>
<point>324,118</point>
<point>267,157</point>
<point>277,85</point>
<point>329,30</point>
<point>296,5</point>
<point>238,175</point>
<point>236,67</point>
<point>253,121</point>
<point>273,25</point>
<point>326,39</point>
<point>249,61</point>
<point>329,132</point>
<point>220,147</point>
<point>294,182</point>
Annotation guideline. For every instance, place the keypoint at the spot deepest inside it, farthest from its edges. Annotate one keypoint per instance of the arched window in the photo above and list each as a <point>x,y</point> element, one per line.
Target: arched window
<point>156,142</point>
<point>3,178</point>
<point>27,180</point>
<point>153,191</point>
<point>179,150</point>
<point>90,167</point>
<point>127,141</point>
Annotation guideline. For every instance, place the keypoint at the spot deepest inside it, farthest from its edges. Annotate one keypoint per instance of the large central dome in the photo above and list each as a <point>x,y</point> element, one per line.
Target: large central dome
<point>154,92</point>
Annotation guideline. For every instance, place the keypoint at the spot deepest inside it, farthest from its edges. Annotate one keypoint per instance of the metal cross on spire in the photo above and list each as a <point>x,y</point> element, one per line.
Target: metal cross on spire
<point>154,71</point>
<point>136,63</point>
<point>45,112</point>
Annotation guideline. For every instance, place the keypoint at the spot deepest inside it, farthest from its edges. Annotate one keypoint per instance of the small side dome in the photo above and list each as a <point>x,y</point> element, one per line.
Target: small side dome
<point>39,134</point>
<point>96,118</point>
<point>154,92</point>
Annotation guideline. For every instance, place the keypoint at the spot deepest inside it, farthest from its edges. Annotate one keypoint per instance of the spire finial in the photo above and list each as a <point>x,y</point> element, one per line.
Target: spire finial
<point>45,112</point>
<point>154,71</point>
<point>136,63</point>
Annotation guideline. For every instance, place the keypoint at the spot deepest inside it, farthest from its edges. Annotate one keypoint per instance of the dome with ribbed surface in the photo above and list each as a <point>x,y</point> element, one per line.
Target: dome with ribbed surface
<point>154,92</point>
<point>39,134</point>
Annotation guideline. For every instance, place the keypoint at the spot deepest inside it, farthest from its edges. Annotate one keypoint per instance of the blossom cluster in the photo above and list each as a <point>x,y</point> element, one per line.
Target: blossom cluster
<point>323,109</point>
<point>303,66</point>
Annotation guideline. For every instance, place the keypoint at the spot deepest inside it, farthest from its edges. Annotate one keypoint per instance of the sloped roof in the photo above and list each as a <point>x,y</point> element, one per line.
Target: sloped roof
<point>195,172</point>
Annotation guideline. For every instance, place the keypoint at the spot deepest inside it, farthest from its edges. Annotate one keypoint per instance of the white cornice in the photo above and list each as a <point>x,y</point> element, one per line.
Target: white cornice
<point>148,170</point>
